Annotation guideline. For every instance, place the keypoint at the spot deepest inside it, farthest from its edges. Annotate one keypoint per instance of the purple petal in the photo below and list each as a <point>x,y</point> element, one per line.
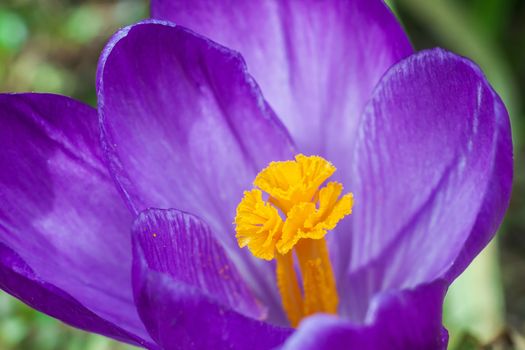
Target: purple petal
<point>182,246</point>
<point>317,62</point>
<point>188,293</point>
<point>19,280</point>
<point>433,173</point>
<point>185,126</point>
<point>405,320</point>
<point>65,230</point>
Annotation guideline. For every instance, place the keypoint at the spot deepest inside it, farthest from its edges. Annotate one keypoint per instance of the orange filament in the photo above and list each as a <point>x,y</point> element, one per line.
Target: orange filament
<point>289,288</point>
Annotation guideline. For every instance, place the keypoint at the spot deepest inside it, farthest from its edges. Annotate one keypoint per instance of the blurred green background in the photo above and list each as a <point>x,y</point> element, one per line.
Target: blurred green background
<point>53,46</point>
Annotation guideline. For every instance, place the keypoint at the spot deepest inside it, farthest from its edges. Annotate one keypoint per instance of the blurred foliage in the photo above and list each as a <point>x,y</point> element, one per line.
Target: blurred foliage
<point>22,328</point>
<point>53,46</point>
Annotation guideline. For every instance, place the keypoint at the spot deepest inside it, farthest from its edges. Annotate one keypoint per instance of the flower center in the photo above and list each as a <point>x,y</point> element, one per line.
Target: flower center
<point>293,190</point>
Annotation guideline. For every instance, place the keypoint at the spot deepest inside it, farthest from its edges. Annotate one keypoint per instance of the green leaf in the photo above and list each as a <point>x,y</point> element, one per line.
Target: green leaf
<point>13,31</point>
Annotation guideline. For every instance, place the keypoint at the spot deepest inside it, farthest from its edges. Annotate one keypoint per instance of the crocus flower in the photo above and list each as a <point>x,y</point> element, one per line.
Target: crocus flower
<point>189,114</point>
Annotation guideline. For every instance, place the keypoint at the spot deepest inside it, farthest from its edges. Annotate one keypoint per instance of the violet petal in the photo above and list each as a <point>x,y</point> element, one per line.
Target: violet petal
<point>432,180</point>
<point>317,62</point>
<point>182,246</point>
<point>65,228</point>
<point>19,280</point>
<point>184,126</point>
<point>188,293</point>
<point>402,320</point>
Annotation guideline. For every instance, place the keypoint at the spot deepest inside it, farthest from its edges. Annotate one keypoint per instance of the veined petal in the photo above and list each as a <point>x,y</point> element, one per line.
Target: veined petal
<point>184,126</point>
<point>188,293</point>
<point>317,62</point>
<point>19,280</point>
<point>65,229</point>
<point>433,173</point>
<point>402,320</point>
<point>182,246</point>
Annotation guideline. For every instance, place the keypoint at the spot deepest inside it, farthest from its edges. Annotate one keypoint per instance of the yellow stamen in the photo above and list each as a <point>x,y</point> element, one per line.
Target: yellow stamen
<point>289,288</point>
<point>320,292</point>
<point>291,182</point>
<point>310,212</point>
<point>258,225</point>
